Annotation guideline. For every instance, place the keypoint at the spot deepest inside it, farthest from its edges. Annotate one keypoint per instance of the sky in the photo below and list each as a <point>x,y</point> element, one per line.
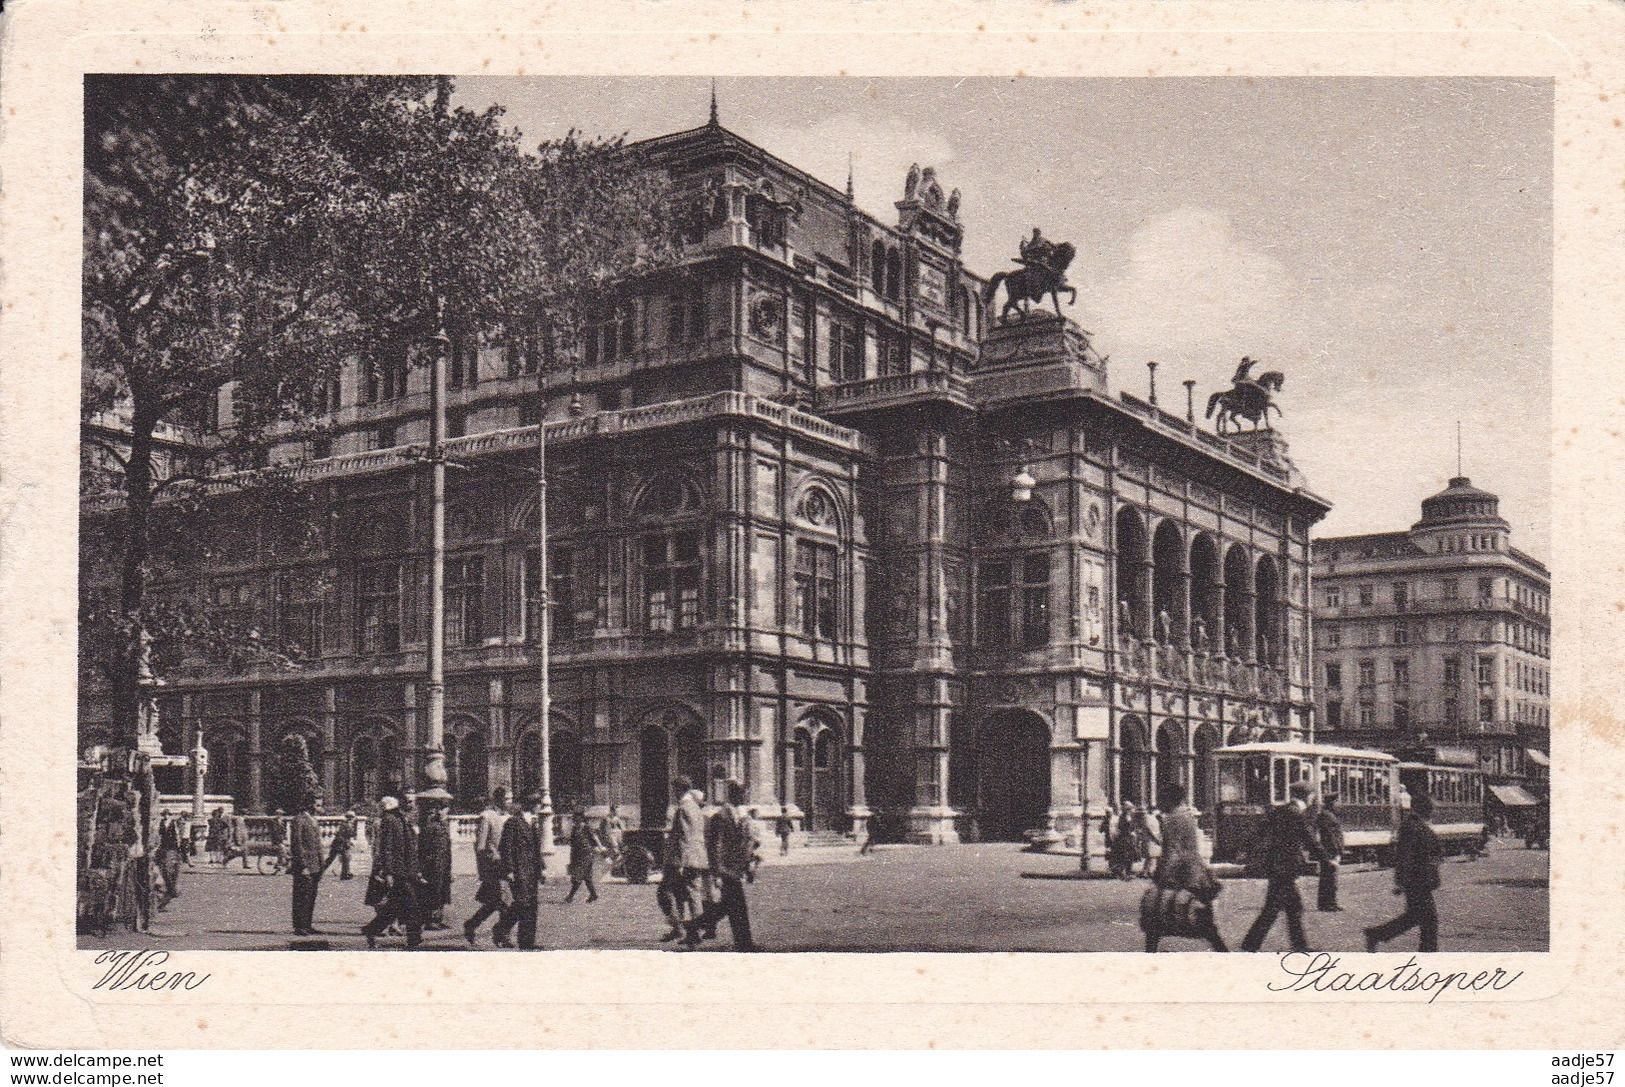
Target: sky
<point>1385,243</point>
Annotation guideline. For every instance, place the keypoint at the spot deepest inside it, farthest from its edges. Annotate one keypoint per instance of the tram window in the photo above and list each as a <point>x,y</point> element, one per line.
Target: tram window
<point>1230,781</point>
<point>1384,787</point>
<point>1258,781</point>
<point>1278,792</point>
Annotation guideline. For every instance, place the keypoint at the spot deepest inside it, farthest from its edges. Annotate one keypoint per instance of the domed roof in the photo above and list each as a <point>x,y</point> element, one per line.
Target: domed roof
<point>1461,487</point>
<point>1459,502</point>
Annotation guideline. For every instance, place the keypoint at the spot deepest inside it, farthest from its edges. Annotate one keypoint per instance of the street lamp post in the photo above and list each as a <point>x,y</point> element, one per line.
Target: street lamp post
<point>544,621</point>
<point>434,761</point>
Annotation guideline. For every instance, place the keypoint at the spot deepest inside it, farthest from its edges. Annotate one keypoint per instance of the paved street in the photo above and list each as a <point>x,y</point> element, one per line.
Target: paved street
<point>901,898</point>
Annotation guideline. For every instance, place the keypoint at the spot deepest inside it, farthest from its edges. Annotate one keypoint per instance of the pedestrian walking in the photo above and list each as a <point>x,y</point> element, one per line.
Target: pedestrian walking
<point>306,864</point>
<point>219,835</point>
<point>613,831</point>
<point>1287,835</point>
<point>343,845</point>
<point>1330,830</point>
<point>584,850</point>
<point>685,861</point>
<point>1124,851</point>
<point>434,852</point>
<point>731,849</point>
<point>239,841</point>
<point>1149,829</point>
<point>394,883</point>
<point>1181,903</point>
<point>523,868</point>
<point>183,835</point>
<point>1416,876</point>
<point>488,863</point>
<point>169,858</point>
<point>870,835</point>
<point>784,826</point>
<point>279,839</point>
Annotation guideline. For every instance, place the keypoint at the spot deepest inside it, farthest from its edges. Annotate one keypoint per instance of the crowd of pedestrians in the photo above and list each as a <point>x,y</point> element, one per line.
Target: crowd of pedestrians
<point>708,857</point>
<point>710,854</point>
<point>1181,901</point>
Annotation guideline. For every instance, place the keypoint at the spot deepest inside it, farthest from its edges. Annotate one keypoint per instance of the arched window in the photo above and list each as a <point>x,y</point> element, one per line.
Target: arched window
<point>877,268</point>
<point>894,276</point>
<point>1013,587</point>
<point>1205,593</point>
<point>1168,585</point>
<point>668,556</point>
<point>1238,604</point>
<point>1267,589</point>
<point>1133,588</point>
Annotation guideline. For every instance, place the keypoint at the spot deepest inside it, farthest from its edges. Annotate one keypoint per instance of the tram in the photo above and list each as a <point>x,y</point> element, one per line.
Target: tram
<point>1457,789</point>
<point>1373,789</point>
<point>1255,777</point>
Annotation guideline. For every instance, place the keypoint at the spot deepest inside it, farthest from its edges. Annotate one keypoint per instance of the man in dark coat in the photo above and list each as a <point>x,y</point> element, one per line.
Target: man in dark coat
<point>434,850</point>
<point>1416,876</point>
<point>1287,836</point>
<point>395,858</point>
<point>584,850</point>
<point>306,862</point>
<point>522,868</point>
<point>1330,829</point>
<point>343,844</point>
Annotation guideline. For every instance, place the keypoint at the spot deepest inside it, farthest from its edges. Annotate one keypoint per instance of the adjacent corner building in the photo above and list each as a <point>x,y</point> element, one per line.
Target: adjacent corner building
<point>1439,637</point>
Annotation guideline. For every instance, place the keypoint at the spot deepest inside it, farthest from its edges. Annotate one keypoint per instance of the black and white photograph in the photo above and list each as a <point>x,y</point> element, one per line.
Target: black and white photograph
<point>789,514</point>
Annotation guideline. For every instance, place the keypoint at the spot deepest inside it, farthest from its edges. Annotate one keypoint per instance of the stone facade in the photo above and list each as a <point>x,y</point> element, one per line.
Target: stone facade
<point>1439,635</point>
<point>790,544</point>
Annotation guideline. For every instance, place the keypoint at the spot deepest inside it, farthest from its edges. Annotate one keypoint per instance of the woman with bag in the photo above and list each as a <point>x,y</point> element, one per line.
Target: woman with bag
<point>1181,903</point>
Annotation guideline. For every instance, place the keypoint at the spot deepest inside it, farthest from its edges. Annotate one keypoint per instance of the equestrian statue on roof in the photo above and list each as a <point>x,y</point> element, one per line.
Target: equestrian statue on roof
<point>1043,271</point>
<point>1247,398</point>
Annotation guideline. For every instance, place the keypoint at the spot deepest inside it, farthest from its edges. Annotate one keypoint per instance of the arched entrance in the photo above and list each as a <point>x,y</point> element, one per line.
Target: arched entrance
<point>228,763</point>
<point>568,780</point>
<point>671,742</point>
<point>817,755</point>
<point>1170,755</point>
<point>467,768</point>
<point>375,764</point>
<point>1134,762</point>
<point>1012,775</point>
<point>1202,788</point>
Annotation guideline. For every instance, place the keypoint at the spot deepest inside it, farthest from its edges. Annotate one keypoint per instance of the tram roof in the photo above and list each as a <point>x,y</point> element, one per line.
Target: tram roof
<point>1297,748</point>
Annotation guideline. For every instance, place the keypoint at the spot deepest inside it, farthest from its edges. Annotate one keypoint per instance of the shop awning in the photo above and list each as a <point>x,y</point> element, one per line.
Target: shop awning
<point>1537,757</point>
<point>1513,796</point>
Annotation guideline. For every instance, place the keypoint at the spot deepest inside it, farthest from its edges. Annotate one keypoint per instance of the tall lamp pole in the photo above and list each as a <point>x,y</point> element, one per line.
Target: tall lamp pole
<point>544,622</point>
<point>434,761</point>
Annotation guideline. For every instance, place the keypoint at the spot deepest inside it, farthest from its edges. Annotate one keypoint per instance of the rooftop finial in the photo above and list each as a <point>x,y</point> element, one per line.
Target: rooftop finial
<point>714,122</point>
<point>850,192</point>
<point>1458,447</point>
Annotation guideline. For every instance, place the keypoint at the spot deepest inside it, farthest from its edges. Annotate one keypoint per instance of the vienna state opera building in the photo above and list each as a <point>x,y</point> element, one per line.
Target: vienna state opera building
<point>818,521</point>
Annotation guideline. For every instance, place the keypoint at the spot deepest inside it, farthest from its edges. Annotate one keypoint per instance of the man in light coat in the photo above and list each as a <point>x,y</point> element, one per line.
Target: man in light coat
<point>686,863</point>
<point>731,847</point>
<point>488,863</point>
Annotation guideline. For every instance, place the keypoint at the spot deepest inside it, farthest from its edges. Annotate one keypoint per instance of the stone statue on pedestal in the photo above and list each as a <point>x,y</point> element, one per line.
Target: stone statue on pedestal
<point>1165,628</point>
<point>1043,271</point>
<point>1199,636</point>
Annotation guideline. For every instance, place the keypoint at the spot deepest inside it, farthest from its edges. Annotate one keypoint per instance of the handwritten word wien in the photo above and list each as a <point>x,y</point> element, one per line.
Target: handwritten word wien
<point>138,970</point>
<point>1318,972</point>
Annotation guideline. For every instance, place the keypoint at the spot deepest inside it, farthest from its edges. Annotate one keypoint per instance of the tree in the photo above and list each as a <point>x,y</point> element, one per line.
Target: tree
<point>295,782</point>
<point>243,237</point>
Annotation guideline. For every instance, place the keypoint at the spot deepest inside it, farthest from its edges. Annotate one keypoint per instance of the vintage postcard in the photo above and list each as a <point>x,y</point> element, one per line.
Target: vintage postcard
<point>891,520</point>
